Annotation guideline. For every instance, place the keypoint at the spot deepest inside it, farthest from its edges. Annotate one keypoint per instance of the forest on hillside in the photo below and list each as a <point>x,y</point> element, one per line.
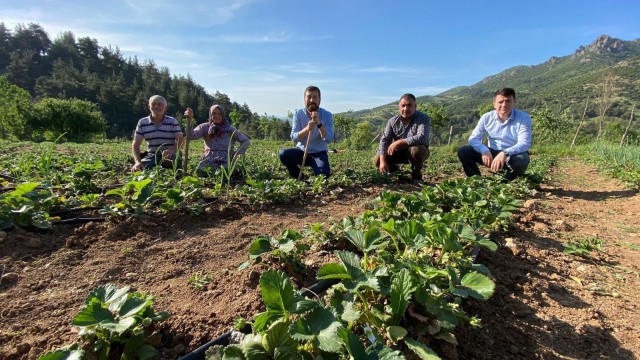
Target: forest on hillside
<point>42,79</point>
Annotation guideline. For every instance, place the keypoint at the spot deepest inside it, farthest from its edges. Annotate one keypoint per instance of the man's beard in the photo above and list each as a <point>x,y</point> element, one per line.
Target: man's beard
<point>312,107</point>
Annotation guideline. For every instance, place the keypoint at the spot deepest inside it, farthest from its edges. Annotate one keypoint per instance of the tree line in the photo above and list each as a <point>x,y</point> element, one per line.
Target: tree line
<point>98,91</point>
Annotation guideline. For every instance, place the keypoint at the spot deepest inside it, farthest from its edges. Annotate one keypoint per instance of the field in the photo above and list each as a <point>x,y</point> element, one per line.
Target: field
<point>561,283</point>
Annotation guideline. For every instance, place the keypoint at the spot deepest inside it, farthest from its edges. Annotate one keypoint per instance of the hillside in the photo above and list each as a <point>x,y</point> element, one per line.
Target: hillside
<point>559,83</point>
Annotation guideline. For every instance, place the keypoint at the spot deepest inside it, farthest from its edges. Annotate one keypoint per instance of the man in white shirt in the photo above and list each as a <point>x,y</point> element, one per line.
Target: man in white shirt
<point>508,131</point>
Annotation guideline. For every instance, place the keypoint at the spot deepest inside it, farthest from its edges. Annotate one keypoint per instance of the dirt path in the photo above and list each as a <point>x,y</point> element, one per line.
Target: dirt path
<point>550,305</point>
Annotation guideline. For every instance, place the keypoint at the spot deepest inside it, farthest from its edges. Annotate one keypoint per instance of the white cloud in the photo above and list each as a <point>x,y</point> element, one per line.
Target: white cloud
<point>197,13</point>
<point>303,68</point>
<point>428,90</point>
<point>247,38</point>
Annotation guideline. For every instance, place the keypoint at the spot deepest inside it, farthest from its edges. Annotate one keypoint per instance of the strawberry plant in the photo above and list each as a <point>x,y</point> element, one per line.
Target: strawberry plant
<point>112,326</point>
<point>134,196</point>
<point>27,205</point>
<point>294,327</point>
<point>284,251</point>
<point>72,352</point>
<point>113,321</point>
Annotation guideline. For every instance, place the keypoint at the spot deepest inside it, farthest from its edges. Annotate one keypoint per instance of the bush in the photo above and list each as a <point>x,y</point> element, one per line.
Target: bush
<point>14,110</point>
<point>78,120</point>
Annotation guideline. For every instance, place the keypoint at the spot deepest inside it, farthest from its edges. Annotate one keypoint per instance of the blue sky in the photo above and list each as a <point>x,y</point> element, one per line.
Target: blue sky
<point>361,54</point>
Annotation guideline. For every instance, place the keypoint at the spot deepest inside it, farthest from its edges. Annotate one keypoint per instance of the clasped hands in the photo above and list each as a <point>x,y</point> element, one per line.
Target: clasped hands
<point>313,121</point>
<point>494,163</point>
<point>189,113</point>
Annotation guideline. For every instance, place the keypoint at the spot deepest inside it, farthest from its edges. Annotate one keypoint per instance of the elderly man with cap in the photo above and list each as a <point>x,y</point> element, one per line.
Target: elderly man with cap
<point>162,133</point>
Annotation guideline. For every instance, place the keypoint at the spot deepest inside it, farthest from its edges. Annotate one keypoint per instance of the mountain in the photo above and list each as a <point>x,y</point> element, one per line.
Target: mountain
<point>559,83</point>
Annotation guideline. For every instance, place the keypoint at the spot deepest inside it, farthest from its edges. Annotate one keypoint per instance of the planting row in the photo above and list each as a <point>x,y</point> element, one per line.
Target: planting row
<point>401,271</point>
<point>48,183</point>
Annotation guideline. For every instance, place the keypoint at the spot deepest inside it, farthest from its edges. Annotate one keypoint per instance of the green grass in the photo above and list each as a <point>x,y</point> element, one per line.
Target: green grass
<point>620,162</point>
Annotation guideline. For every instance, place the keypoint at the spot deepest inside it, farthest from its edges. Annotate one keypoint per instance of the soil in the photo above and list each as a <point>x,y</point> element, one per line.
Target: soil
<point>547,304</point>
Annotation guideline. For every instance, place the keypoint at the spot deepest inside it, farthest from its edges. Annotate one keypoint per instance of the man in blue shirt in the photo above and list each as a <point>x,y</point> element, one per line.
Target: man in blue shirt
<point>317,123</point>
<point>509,138</point>
<point>405,140</point>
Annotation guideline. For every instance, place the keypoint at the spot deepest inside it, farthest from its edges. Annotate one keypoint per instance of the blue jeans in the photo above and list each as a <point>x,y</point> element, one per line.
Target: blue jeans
<point>515,166</point>
<point>292,159</point>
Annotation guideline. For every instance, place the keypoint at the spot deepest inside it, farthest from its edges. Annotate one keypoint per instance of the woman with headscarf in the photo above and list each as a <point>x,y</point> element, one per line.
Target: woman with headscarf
<point>219,138</point>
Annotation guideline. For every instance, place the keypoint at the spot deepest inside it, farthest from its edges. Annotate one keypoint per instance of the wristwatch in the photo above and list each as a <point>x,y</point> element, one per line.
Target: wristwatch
<point>319,125</point>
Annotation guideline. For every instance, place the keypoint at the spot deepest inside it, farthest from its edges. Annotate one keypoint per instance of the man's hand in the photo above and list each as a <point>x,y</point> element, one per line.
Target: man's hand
<point>394,146</point>
<point>487,159</point>
<point>137,166</point>
<point>189,113</point>
<point>498,162</point>
<point>166,154</point>
<point>383,167</point>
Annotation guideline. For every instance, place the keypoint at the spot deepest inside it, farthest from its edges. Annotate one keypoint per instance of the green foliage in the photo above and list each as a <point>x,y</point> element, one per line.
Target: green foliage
<point>406,268</point>
<point>135,196</point>
<point>550,128</point>
<point>284,251</point>
<point>272,128</point>
<point>112,326</point>
<point>361,136</point>
<point>484,108</point>
<point>71,352</point>
<point>15,110</point>
<point>582,247</point>
<point>280,300</point>
<point>620,162</point>
<point>72,120</point>
<point>294,327</point>
<point>199,280</point>
<point>437,114</point>
<point>70,68</point>
<point>27,205</point>
<point>343,126</point>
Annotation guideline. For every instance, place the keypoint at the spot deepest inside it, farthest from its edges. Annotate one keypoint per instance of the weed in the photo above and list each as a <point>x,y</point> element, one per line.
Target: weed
<point>199,280</point>
<point>583,247</point>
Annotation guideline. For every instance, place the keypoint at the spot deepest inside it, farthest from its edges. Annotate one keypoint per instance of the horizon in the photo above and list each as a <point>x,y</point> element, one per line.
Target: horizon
<point>362,55</point>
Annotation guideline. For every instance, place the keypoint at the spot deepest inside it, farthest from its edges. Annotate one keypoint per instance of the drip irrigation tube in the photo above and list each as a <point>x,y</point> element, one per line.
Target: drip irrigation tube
<point>66,211</point>
<point>77,221</point>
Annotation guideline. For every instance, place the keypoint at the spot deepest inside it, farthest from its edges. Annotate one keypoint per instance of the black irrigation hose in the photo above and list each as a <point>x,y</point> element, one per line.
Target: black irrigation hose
<point>7,177</point>
<point>77,221</point>
<point>66,211</point>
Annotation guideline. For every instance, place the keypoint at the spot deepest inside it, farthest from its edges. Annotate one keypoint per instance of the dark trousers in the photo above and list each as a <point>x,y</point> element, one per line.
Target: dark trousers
<point>151,160</point>
<point>292,159</point>
<point>415,155</point>
<point>515,166</point>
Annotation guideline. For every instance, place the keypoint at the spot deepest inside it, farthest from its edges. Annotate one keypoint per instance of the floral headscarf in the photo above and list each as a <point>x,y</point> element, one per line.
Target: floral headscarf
<point>217,129</point>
